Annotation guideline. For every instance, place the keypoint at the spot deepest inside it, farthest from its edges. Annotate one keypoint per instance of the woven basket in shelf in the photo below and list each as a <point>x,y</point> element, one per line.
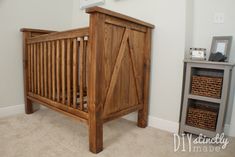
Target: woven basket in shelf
<point>202,117</point>
<point>207,86</point>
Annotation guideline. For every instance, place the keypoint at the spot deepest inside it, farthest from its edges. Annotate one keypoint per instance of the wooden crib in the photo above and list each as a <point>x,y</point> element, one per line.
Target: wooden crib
<point>94,74</point>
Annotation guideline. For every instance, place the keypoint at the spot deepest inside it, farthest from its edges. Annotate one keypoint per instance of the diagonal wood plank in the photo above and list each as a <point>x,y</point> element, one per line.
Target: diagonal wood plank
<point>116,69</point>
<point>134,71</point>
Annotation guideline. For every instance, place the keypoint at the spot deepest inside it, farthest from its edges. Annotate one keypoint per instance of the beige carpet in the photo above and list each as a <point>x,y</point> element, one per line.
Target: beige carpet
<point>49,134</point>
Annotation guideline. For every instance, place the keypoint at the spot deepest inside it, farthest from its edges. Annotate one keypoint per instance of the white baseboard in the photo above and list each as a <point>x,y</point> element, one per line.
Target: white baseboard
<point>163,124</point>
<point>158,123</point>
<point>11,110</point>
<point>171,126</point>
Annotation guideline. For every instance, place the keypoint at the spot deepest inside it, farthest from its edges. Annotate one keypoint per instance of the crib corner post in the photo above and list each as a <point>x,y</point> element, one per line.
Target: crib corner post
<point>143,113</point>
<point>28,106</point>
<point>142,118</point>
<point>28,103</point>
<point>95,129</point>
<point>95,106</point>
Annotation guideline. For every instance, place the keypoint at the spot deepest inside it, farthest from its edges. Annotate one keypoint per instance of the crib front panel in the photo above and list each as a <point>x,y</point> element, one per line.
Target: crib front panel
<point>121,54</point>
<point>57,70</point>
<point>123,68</point>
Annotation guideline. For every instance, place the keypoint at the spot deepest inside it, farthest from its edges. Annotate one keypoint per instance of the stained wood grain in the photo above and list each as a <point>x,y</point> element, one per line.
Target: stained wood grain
<point>41,69</point>
<point>58,69</point>
<point>53,71</point>
<point>63,67</point>
<point>34,68</point>
<point>118,16</point>
<point>75,72</point>
<point>31,30</point>
<point>60,106</point>
<point>95,106</point>
<point>29,66</point>
<point>116,70</point>
<point>69,72</point>
<point>95,79</point>
<point>38,69</point>
<point>26,55</point>
<point>50,64</point>
<point>60,35</point>
<point>45,70</point>
<point>143,114</point>
<point>81,73</point>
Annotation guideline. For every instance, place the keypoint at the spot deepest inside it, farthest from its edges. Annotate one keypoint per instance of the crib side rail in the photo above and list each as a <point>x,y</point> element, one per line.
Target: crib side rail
<point>56,65</point>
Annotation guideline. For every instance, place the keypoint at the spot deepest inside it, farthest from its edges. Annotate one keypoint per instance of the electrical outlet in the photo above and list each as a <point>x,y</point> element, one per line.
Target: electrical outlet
<point>219,18</point>
<point>90,3</point>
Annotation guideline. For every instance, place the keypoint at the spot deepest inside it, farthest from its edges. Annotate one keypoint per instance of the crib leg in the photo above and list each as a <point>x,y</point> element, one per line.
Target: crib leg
<point>143,118</point>
<point>28,106</point>
<point>95,130</point>
<point>96,138</point>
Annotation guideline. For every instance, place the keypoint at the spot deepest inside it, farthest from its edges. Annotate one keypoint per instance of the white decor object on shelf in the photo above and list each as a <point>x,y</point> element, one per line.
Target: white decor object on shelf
<point>90,3</point>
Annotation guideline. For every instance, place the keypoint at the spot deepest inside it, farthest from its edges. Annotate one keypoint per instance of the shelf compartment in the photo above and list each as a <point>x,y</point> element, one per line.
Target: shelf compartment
<point>206,82</point>
<point>198,131</point>
<point>207,72</point>
<point>202,114</point>
<point>203,98</point>
<point>206,86</point>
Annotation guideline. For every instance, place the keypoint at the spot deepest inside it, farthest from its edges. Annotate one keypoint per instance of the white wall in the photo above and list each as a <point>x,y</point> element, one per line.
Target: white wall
<point>189,26</point>
<point>204,26</point>
<point>15,14</point>
<point>204,29</point>
<point>167,52</point>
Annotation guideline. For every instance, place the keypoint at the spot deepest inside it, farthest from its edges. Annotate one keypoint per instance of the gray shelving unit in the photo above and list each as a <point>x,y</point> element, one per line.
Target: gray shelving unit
<point>205,68</point>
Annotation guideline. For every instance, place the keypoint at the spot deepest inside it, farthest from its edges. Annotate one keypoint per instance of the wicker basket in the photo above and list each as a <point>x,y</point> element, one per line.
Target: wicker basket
<point>202,117</point>
<point>207,86</point>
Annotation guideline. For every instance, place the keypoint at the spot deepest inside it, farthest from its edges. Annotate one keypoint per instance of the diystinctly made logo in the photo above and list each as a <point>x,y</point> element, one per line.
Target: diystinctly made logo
<point>186,143</point>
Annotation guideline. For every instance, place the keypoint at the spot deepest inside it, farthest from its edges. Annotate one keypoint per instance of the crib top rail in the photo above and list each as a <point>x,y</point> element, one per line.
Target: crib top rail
<point>36,30</point>
<point>59,35</point>
<point>118,15</point>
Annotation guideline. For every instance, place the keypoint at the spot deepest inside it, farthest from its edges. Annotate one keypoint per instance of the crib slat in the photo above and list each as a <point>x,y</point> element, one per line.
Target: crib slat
<point>75,72</point>
<point>32,67</point>
<point>38,70</point>
<point>41,68</point>
<point>58,69</point>
<point>45,69</point>
<point>35,67</point>
<point>29,66</point>
<point>85,65</point>
<point>49,69</point>
<point>69,72</point>
<point>81,66</point>
<point>63,69</point>
<point>53,70</point>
